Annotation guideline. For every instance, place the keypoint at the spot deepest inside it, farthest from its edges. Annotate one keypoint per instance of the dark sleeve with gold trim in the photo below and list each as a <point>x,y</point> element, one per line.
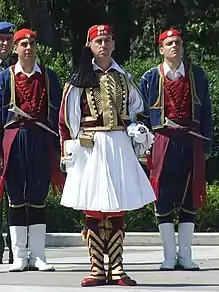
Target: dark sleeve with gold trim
<point>4,100</point>
<point>145,117</point>
<point>55,96</point>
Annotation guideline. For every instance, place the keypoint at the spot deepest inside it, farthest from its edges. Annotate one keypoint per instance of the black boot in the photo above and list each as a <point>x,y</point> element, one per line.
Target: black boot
<point>8,241</point>
<point>2,248</point>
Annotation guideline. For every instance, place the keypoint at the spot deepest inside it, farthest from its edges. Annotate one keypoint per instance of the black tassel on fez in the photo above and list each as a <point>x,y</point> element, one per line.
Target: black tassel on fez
<point>85,77</point>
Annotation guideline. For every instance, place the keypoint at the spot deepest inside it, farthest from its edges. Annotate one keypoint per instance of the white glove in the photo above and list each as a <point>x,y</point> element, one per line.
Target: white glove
<point>140,149</point>
<point>141,135</point>
<point>71,148</point>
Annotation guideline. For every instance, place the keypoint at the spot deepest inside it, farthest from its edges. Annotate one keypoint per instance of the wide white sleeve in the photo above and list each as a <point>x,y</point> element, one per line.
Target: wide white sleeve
<point>136,104</point>
<point>73,110</point>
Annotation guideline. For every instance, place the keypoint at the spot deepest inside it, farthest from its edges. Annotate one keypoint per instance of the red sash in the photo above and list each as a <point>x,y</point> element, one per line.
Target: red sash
<point>198,180</point>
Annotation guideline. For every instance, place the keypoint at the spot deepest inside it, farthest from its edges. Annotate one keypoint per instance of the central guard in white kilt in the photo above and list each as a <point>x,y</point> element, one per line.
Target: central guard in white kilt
<point>104,176</point>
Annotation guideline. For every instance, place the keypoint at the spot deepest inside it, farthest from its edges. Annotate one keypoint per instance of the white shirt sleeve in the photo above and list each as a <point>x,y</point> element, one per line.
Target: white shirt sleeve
<point>136,104</point>
<point>73,110</point>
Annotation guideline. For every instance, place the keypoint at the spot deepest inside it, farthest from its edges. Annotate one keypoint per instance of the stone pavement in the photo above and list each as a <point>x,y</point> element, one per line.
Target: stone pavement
<point>141,262</point>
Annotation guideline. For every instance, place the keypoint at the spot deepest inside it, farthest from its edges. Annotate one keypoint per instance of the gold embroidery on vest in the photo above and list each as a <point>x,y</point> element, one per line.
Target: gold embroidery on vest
<point>112,86</point>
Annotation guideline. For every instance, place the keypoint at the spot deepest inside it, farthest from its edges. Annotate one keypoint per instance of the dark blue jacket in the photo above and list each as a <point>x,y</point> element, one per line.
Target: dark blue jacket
<point>8,99</point>
<point>151,86</point>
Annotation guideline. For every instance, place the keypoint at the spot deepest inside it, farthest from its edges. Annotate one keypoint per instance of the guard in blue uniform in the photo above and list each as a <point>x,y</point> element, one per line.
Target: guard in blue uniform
<point>30,149</point>
<point>177,91</point>
<point>7,58</point>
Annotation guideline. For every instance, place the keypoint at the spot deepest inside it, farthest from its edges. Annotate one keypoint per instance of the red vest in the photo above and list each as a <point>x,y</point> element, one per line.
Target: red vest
<point>31,94</point>
<point>177,97</point>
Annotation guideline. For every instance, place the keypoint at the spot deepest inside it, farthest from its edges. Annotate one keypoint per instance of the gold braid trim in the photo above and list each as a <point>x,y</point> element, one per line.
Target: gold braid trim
<point>159,104</point>
<point>96,246</point>
<point>115,251</point>
<point>113,86</point>
<point>195,99</point>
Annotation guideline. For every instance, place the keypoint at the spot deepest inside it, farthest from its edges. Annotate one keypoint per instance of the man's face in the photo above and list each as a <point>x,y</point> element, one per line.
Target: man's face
<point>102,46</point>
<point>6,41</point>
<point>26,49</point>
<point>172,48</point>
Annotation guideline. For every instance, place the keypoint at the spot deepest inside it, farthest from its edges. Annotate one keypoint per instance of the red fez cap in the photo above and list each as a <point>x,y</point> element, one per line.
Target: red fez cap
<point>98,30</point>
<point>24,34</point>
<point>168,33</point>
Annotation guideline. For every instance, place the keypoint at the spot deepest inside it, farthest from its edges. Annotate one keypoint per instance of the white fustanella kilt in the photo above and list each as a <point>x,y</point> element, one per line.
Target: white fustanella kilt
<point>107,177</point>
